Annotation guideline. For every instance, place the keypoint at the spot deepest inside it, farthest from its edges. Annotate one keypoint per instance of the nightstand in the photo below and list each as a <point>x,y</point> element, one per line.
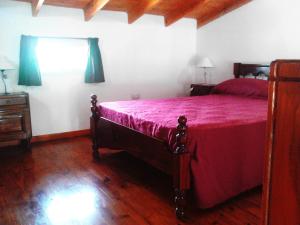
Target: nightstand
<point>201,89</point>
<point>15,122</point>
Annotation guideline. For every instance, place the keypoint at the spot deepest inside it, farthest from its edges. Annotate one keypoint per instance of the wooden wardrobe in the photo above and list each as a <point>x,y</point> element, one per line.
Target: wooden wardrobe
<point>281,200</point>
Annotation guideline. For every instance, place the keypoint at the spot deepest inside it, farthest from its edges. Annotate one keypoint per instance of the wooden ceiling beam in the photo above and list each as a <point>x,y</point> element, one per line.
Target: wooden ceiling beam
<point>181,11</point>
<point>136,12</point>
<point>204,11</point>
<point>205,19</point>
<point>93,7</point>
<point>36,6</point>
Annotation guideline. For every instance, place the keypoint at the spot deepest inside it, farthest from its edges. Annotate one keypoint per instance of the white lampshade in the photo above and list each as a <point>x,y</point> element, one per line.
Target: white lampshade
<point>6,64</point>
<point>205,63</point>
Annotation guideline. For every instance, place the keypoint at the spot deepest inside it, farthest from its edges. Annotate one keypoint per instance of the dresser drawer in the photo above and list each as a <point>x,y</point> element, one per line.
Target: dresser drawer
<point>15,122</point>
<point>11,123</point>
<point>12,101</point>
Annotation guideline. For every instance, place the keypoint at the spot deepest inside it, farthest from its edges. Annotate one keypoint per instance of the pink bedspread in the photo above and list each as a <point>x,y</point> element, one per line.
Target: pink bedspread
<point>226,136</point>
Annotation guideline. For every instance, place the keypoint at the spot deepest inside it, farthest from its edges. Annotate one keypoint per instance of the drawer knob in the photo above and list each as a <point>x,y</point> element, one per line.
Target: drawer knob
<point>8,101</point>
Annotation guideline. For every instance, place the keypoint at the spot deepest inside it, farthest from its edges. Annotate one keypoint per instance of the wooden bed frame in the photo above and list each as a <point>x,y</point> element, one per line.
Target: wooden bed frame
<point>172,161</point>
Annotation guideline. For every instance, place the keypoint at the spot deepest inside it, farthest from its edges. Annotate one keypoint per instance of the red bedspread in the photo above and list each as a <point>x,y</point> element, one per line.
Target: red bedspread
<point>226,137</point>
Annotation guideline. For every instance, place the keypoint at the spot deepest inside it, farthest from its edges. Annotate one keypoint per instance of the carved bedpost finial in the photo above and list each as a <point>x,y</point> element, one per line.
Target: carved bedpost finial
<point>181,168</point>
<point>94,120</point>
<point>94,108</point>
<point>181,136</point>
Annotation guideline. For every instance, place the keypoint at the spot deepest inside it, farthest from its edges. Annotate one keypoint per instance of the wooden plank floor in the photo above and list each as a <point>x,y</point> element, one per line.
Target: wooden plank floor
<point>59,183</point>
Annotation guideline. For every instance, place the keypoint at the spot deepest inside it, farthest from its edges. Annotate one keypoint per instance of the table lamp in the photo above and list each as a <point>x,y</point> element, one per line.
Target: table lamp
<point>205,63</point>
<point>5,64</point>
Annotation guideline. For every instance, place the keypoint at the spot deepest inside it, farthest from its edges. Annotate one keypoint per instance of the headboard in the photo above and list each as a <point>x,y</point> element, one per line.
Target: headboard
<point>256,71</point>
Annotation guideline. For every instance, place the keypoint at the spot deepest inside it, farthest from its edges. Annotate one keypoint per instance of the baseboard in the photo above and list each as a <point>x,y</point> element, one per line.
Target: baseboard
<point>51,137</point>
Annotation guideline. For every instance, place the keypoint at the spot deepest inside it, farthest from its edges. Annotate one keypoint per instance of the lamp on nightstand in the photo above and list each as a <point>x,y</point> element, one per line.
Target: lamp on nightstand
<point>5,64</point>
<point>205,63</point>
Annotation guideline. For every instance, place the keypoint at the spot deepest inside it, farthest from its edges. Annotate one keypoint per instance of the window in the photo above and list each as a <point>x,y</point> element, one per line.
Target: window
<point>48,56</point>
<point>57,56</point>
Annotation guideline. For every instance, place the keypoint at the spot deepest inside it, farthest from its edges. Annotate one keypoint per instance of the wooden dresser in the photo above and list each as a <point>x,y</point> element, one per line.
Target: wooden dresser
<point>15,123</point>
<point>282,173</point>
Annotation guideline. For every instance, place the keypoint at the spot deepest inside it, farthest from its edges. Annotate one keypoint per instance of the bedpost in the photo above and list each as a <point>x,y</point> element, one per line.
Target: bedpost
<point>236,70</point>
<point>93,123</point>
<point>181,168</point>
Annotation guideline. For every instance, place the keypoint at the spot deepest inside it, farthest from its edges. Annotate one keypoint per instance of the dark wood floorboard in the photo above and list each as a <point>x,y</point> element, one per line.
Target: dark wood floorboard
<point>59,183</point>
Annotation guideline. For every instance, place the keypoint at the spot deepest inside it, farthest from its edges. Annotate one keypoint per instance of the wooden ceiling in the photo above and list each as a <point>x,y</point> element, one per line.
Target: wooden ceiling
<point>204,11</point>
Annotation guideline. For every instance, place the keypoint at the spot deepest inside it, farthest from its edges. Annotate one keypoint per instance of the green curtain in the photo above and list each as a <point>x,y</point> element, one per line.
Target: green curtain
<point>94,70</point>
<point>29,71</point>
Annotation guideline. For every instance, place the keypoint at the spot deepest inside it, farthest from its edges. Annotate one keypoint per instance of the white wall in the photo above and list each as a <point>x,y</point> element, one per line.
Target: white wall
<point>145,58</point>
<point>258,32</point>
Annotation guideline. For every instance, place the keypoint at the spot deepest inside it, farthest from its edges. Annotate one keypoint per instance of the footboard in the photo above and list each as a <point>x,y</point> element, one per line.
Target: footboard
<point>156,152</point>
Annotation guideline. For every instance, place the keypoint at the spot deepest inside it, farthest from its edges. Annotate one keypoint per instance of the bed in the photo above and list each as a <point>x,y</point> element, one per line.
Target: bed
<point>212,143</point>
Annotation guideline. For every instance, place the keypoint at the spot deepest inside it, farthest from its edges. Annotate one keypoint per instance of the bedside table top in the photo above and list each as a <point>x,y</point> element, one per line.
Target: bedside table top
<point>11,94</point>
<point>203,85</point>
<point>201,89</point>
